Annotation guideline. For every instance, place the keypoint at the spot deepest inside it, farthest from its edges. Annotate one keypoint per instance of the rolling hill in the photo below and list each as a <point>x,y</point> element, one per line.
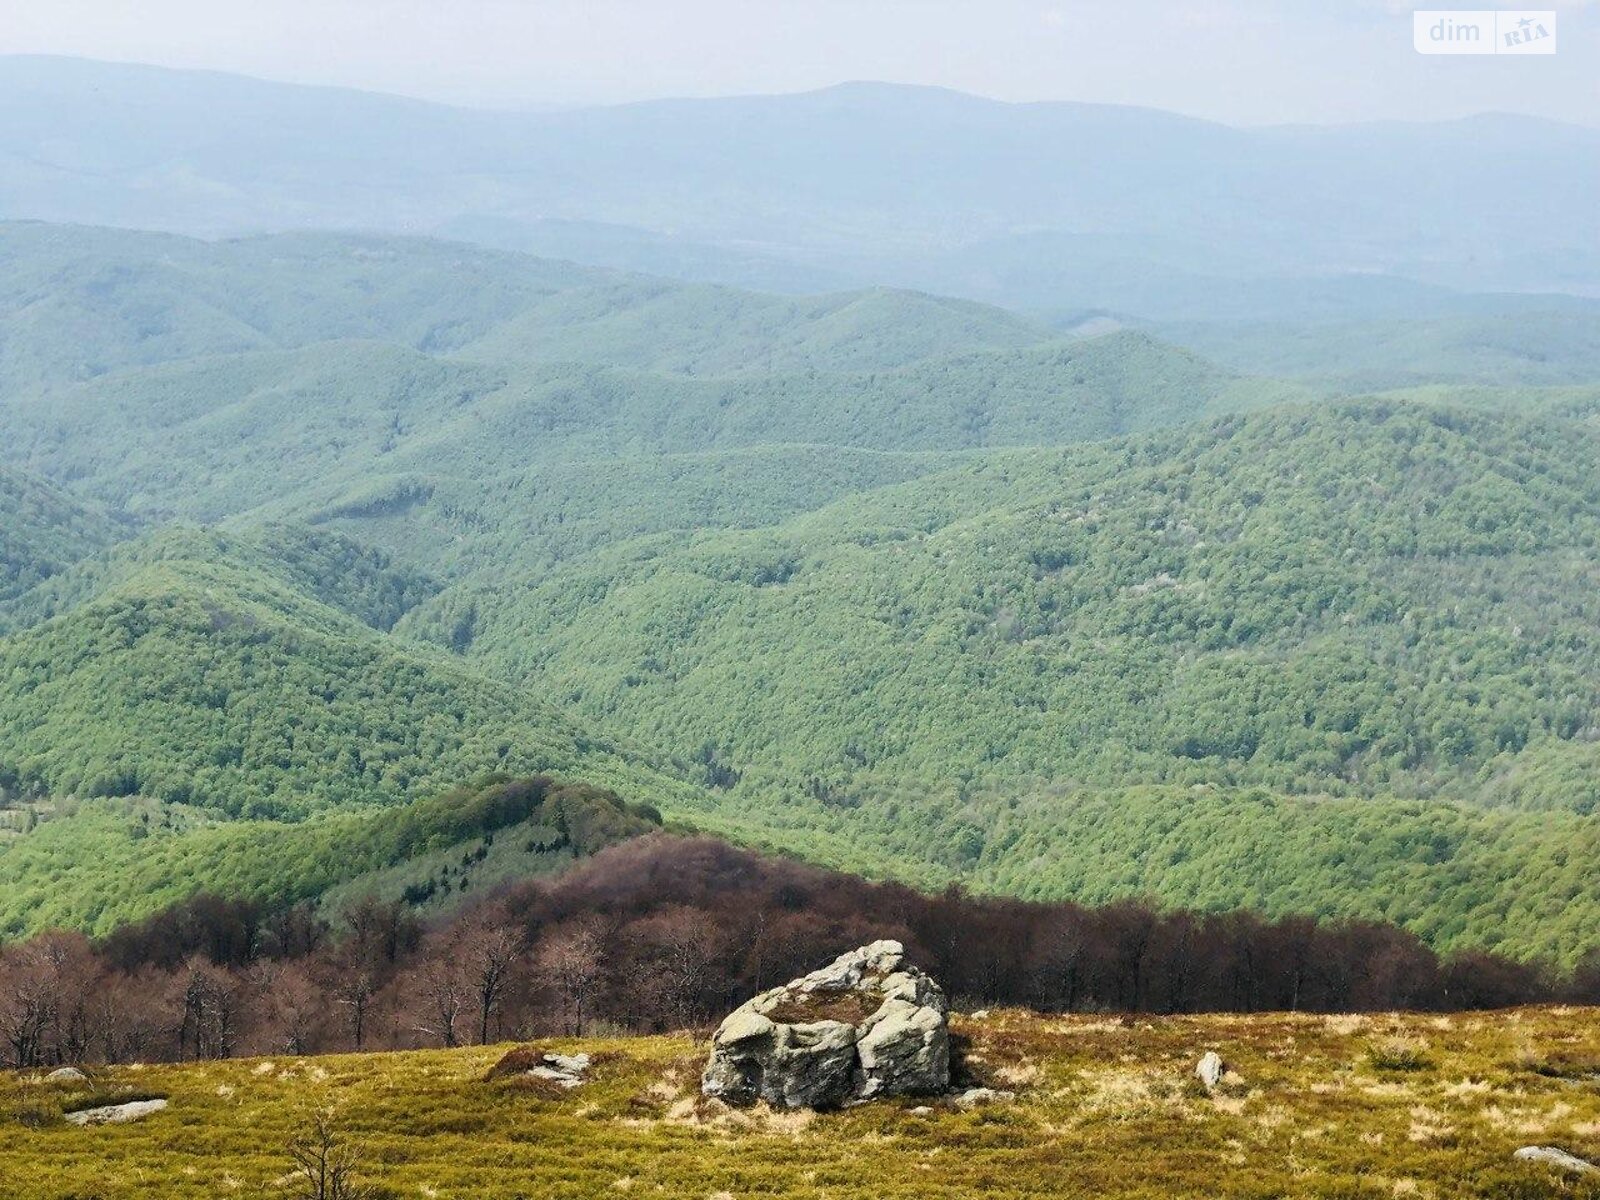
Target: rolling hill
<point>191,718</point>
<point>474,384</point>
<point>201,681</point>
<point>1106,592</point>
<point>1546,345</point>
<point>43,530</point>
<point>898,583</point>
<point>1380,602</point>
<point>78,302</point>
<point>226,435</point>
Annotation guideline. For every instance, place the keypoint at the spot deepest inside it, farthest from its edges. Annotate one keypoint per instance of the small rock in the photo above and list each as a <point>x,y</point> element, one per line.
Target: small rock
<point>116,1114</point>
<point>921,1110</point>
<point>1210,1069</point>
<point>66,1075</point>
<point>1559,1159</point>
<point>982,1095</point>
<point>572,1064</point>
<point>565,1070</point>
<point>560,1078</point>
<point>981,1015</point>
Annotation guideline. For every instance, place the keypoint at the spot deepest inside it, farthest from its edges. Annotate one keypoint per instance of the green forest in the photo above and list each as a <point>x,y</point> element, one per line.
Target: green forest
<point>298,534</point>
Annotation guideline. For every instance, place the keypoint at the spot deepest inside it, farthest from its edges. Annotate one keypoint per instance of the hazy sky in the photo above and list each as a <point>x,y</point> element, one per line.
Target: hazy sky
<point>1235,60</point>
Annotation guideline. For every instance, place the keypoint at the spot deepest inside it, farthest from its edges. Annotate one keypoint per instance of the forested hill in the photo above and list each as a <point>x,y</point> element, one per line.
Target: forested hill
<point>203,681</point>
<point>192,692</point>
<point>320,375</point>
<point>79,302</point>
<point>1383,602</point>
<point>43,530</point>
<point>1352,599</point>
<point>222,436</point>
<point>299,530</point>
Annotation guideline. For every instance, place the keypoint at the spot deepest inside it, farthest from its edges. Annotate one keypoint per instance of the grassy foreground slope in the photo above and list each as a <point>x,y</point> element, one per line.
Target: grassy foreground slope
<point>1350,1107</point>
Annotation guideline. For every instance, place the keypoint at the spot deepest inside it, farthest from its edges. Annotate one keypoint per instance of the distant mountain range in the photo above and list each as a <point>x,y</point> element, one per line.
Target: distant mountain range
<point>1054,207</point>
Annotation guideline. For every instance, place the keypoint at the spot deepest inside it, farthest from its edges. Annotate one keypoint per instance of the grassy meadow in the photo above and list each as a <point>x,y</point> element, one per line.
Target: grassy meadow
<point>1326,1106</point>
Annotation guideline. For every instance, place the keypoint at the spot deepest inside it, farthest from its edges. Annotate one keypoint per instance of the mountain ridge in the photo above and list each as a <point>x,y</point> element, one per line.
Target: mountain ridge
<point>806,181</point>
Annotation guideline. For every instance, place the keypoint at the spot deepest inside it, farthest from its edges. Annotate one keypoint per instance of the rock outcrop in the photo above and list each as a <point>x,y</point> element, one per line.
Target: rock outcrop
<point>867,1025</point>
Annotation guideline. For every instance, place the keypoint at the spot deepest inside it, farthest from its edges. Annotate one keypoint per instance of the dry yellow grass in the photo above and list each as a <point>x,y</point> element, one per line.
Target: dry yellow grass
<point>1103,1109</point>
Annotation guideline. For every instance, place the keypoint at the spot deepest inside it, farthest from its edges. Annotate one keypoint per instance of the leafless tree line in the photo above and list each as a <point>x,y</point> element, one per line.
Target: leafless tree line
<point>668,933</point>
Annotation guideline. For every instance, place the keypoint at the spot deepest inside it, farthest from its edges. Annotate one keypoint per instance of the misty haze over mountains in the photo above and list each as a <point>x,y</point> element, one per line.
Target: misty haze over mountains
<point>1058,208</point>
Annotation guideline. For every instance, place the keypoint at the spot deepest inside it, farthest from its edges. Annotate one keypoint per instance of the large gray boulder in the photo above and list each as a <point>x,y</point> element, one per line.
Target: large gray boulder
<point>869,1024</point>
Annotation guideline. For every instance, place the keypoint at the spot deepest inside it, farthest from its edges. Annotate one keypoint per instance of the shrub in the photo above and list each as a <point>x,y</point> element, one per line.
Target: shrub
<point>1398,1054</point>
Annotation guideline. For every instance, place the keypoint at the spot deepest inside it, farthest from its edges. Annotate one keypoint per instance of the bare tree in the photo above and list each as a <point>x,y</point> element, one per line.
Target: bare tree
<point>681,944</point>
<point>46,988</point>
<point>293,1013</point>
<point>354,989</point>
<point>133,1015</point>
<point>487,951</point>
<point>573,955</point>
<point>1056,959</point>
<point>441,995</point>
<point>209,1027</point>
<point>326,1164</point>
<point>26,1004</point>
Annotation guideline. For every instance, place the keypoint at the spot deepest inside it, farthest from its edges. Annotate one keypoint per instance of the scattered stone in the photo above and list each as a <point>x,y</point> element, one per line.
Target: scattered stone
<point>983,1095</point>
<point>564,1070</point>
<point>1210,1069</point>
<point>921,1110</point>
<point>116,1114</point>
<point>1560,1159</point>
<point>66,1075</point>
<point>981,1015</point>
<point>867,1025</point>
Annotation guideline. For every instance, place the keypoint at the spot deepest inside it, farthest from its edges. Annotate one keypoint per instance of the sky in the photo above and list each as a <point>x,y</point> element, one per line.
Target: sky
<point>1241,61</point>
